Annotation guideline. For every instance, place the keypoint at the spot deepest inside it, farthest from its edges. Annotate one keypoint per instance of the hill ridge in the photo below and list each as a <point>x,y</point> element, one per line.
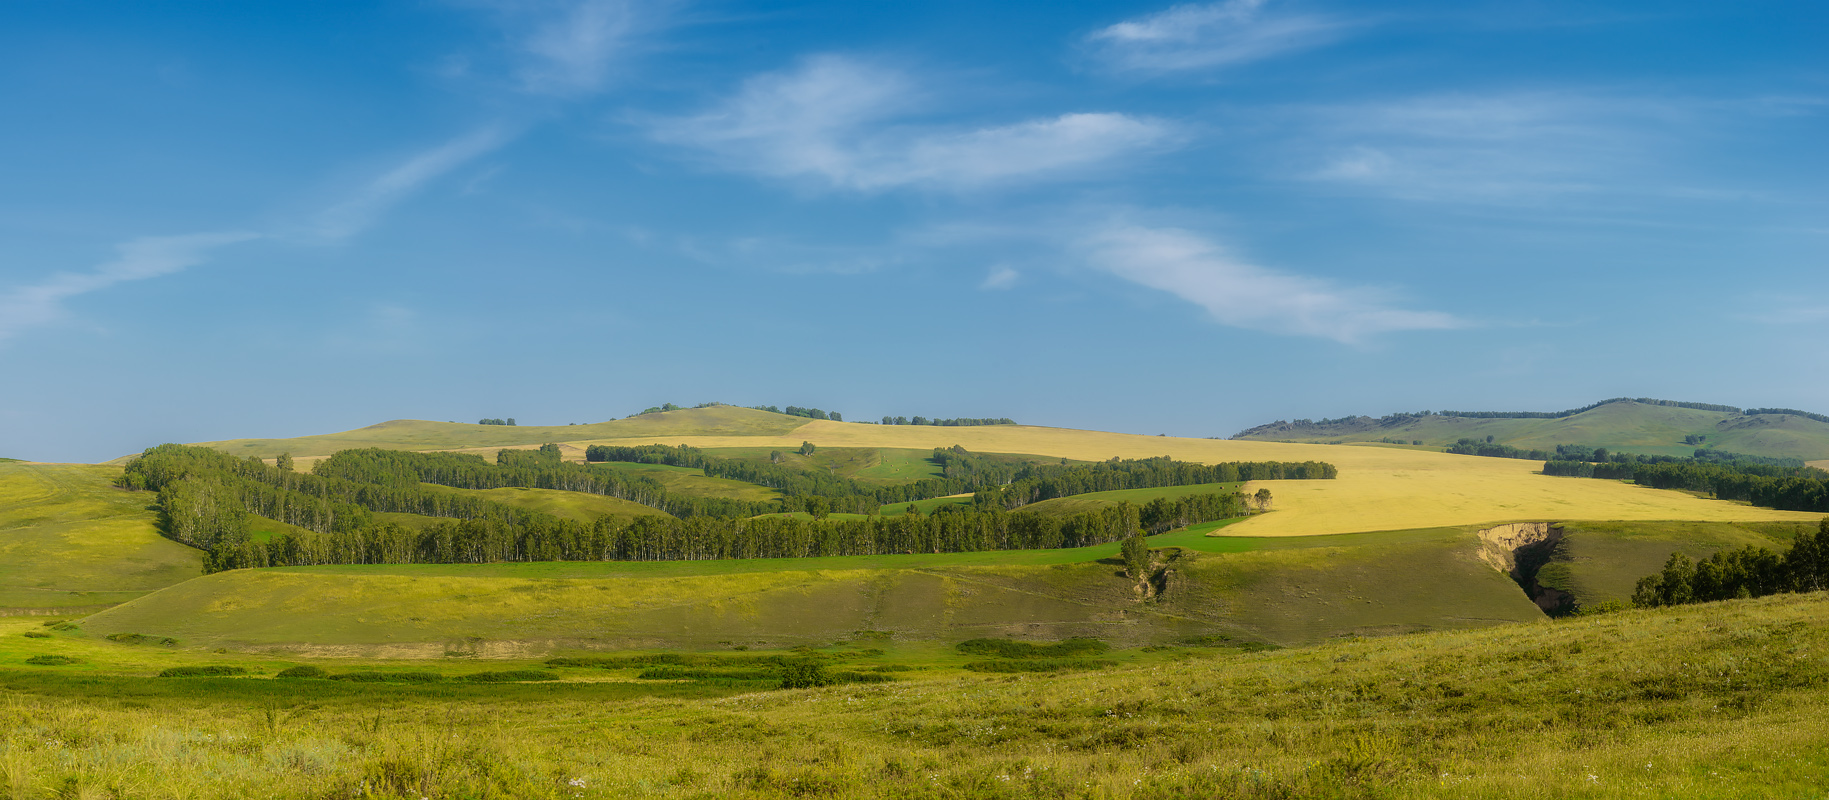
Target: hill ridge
<point>1639,425</point>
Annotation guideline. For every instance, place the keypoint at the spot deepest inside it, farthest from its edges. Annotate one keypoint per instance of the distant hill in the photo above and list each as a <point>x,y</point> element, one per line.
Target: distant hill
<point>1642,425</point>
<point>416,434</point>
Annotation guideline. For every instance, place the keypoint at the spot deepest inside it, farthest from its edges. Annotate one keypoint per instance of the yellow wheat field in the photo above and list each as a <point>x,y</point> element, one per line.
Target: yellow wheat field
<point>1378,489</point>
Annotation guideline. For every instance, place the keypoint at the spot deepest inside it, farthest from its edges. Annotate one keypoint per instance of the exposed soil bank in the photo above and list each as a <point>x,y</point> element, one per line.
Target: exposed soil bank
<point>1520,550</point>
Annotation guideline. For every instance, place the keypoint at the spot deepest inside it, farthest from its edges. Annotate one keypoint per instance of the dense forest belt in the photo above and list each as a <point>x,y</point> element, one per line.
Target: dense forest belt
<point>1781,487</point>
<point>1008,485</point>
<point>206,499</point>
<point>659,538</point>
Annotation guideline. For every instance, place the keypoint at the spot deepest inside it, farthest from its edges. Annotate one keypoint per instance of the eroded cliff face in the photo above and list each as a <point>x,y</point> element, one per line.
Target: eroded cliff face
<point>1521,549</point>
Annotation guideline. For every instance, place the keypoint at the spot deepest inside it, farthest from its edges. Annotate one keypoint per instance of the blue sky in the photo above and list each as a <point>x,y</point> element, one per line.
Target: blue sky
<point>275,219</point>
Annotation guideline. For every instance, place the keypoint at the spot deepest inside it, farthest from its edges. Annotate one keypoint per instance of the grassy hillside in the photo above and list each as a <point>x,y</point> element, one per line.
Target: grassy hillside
<point>578,506</point>
<point>1600,561</point>
<point>1093,501</point>
<point>411,434</point>
<point>1284,590</point>
<point>1719,700</point>
<point>692,482</point>
<point>1626,426</point>
<point>70,539</point>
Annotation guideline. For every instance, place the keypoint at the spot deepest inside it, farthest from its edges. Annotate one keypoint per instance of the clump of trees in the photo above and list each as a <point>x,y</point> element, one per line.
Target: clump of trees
<point>1475,447</point>
<point>1746,572</point>
<point>492,421</point>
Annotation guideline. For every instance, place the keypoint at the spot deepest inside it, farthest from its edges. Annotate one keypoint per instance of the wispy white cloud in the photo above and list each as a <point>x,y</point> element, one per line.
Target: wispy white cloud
<point>835,120</point>
<point>1209,36</point>
<point>570,47</point>
<point>1001,277</point>
<point>1244,295</point>
<point>780,254</point>
<point>42,303</point>
<point>368,203</point>
<point>380,329</point>
<point>1507,147</point>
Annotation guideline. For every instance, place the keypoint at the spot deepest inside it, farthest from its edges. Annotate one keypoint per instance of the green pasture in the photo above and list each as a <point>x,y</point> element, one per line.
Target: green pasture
<point>926,506</point>
<point>879,465</point>
<point>1094,501</point>
<point>69,539</point>
<point>1284,590</point>
<point>578,506</point>
<point>693,482</point>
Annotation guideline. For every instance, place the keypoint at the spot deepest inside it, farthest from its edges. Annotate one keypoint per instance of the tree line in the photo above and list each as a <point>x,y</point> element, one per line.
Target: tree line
<point>1746,572</point>
<point>540,537</point>
<point>1787,488</point>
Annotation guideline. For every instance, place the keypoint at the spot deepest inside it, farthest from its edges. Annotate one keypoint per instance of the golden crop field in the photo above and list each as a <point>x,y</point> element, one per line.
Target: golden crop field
<point>1379,488</point>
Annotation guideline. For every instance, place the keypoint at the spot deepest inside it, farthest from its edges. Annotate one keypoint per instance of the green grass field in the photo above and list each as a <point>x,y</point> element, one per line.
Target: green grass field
<point>579,506</point>
<point>1718,700</point>
<point>1276,589</point>
<point>927,506</point>
<point>692,482</point>
<point>69,539</point>
<point>1093,501</point>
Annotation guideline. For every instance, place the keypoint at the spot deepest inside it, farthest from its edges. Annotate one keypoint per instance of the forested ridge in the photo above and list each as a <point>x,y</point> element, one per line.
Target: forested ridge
<point>207,497</point>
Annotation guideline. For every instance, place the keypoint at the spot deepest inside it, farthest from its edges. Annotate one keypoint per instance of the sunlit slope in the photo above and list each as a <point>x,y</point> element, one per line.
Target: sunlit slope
<point>1286,591</point>
<point>1378,489</point>
<point>412,434</point>
<point>1624,426</point>
<point>69,539</point>
<point>577,506</point>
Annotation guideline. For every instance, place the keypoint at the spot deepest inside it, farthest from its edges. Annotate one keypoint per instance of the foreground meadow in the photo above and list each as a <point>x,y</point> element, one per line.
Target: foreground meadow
<point>1719,700</point>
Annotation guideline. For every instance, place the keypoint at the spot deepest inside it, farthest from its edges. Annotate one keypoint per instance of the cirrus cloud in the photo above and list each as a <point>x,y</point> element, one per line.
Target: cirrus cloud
<point>838,121</point>
<point>1244,295</point>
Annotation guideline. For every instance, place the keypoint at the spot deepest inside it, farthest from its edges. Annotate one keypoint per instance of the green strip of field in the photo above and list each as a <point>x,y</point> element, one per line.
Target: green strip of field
<point>1094,501</point>
<point>692,482</point>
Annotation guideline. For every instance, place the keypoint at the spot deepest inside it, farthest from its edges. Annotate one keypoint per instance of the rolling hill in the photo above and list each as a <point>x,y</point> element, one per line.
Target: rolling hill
<point>1622,425</point>
<point>70,541</point>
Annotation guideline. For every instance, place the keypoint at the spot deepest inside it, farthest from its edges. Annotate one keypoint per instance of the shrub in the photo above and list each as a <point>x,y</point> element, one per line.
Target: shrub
<point>1040,665</point>
<point>211,671</point>
<point>861,677</point>
<point>37,635</point>
<point>306,671</point>
<point>804,674</point>
<point>140,638</point>
<point>1008,648</point>
<point>388,677</point>
<point>52,661</point>
<point>684,674</point>
<point>508,676</point>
